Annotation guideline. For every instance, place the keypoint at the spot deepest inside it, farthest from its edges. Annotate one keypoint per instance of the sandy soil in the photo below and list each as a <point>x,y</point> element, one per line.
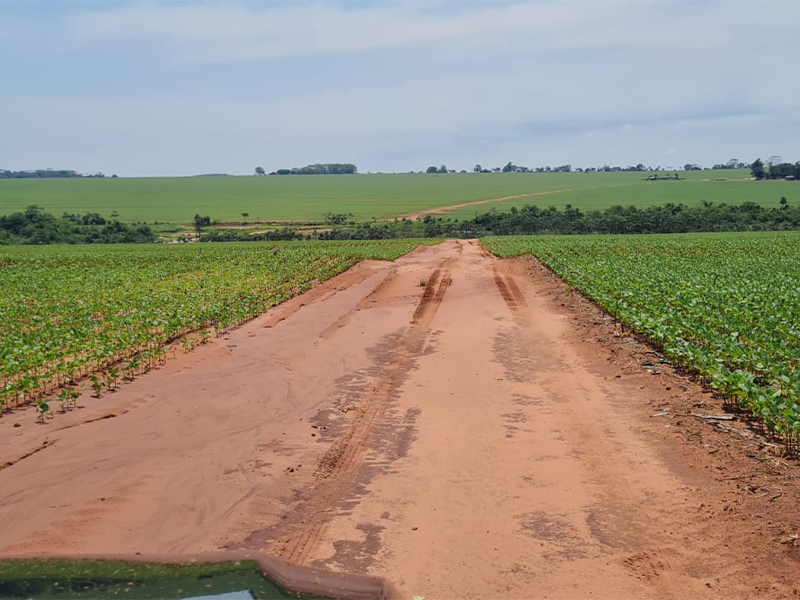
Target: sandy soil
<point>486,434</point>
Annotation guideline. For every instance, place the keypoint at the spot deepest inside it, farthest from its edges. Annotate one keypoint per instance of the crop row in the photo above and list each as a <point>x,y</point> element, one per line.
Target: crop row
<point>68,312</point>
<point>726,305</point>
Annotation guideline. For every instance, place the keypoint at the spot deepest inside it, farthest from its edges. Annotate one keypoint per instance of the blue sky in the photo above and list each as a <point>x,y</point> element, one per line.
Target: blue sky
<point>178,88</point>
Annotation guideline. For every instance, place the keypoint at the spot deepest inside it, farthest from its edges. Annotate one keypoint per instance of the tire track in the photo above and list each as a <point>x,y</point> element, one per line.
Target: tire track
<point>365,302</point>
<point>519,298</point>
<point>337,470</point>
<point>427,296</point>
<point>510,292</point>
<point>44,446</point>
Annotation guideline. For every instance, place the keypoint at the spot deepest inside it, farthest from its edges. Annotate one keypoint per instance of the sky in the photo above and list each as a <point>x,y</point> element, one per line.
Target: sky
<point>159,88</point>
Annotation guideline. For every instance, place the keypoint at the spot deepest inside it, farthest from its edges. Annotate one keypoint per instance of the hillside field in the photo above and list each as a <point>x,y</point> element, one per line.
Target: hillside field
<point>308,198</point>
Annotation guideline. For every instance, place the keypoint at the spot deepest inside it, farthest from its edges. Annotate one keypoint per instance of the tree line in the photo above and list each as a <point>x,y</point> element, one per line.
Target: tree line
<point>533,220</point>
<point>315,169</point>
<point>668,218</point>
<point>35,226</point>
<point>775,170</point>
<point>510,167</point>
<point>46,174</point>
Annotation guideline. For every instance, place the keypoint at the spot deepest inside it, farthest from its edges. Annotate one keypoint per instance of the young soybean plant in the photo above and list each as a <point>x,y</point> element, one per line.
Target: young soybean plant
<point>188,343</point>
<point>111,378</point>
<point>97,385</point>
<point>64,399</point>
<point>43,409</point>
<point>74,393</point>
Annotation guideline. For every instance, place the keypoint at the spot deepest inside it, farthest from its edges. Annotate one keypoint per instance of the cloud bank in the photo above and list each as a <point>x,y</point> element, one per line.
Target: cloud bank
<point>165,88</point>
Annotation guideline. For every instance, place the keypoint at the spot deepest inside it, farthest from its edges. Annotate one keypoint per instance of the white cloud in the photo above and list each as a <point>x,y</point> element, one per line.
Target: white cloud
<point>225,32</point>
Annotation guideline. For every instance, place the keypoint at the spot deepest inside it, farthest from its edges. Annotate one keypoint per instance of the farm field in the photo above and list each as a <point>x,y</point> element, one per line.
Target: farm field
<point>308,198</point>
<point>726,305</point>
<point>458,424</point>
<point>71,311</point>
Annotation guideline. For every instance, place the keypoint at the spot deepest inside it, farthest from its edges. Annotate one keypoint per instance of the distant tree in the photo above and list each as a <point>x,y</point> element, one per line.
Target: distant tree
<point>337,218</point>
<point>244,216</point>
<point>784,202</point>
<point>431,170</point>
<point>38,174</point>
<point>260,171</point>
<point>774,160</point>
<point>200,222</point>
<point>322,169</point>
<point>477,168</point>
<point>443,169</point>
<point>34,226</point>
<point>757,169</point>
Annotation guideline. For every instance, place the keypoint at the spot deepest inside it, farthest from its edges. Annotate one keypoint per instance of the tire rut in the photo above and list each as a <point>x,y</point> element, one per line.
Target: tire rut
<point>337,470</point>
<point>44,446</point>
<point>510,292</point>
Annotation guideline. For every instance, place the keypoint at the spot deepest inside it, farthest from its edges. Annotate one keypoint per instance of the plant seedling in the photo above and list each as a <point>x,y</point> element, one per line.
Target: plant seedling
<point>43,409</point>
<point>127,370</point>
<point>111,378</point>
<point>64,399</point>
<point>97,385</point>
<point>74,394</point>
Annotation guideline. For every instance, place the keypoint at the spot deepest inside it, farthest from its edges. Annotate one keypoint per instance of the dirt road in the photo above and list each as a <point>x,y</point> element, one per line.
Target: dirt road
<point>455,423</point>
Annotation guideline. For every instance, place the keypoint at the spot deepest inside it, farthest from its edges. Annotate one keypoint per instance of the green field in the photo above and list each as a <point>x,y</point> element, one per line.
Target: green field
<point>308,198</point>
<point>726,305</point>
<point>68,311</point>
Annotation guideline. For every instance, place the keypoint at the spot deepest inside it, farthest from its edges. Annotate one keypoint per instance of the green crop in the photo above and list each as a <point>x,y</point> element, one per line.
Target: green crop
<point>308,197</point>
<point>728,306</point>
<point>69,312</point>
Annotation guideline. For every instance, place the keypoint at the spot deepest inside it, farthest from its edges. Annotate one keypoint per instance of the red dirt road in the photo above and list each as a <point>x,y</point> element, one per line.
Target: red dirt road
<point>486,435</point>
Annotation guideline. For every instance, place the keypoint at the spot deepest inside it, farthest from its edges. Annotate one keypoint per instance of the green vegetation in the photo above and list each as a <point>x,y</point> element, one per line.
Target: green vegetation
<point>777,170</point>
<point>41,174</point>
<point>316,169</point>
<point>71,311</point>
<point>669,218</point>
<point>34,226</point>
<point>308,198</point>
<point>632,191</point>
<point>106,578</point>
<point>727,305</point>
